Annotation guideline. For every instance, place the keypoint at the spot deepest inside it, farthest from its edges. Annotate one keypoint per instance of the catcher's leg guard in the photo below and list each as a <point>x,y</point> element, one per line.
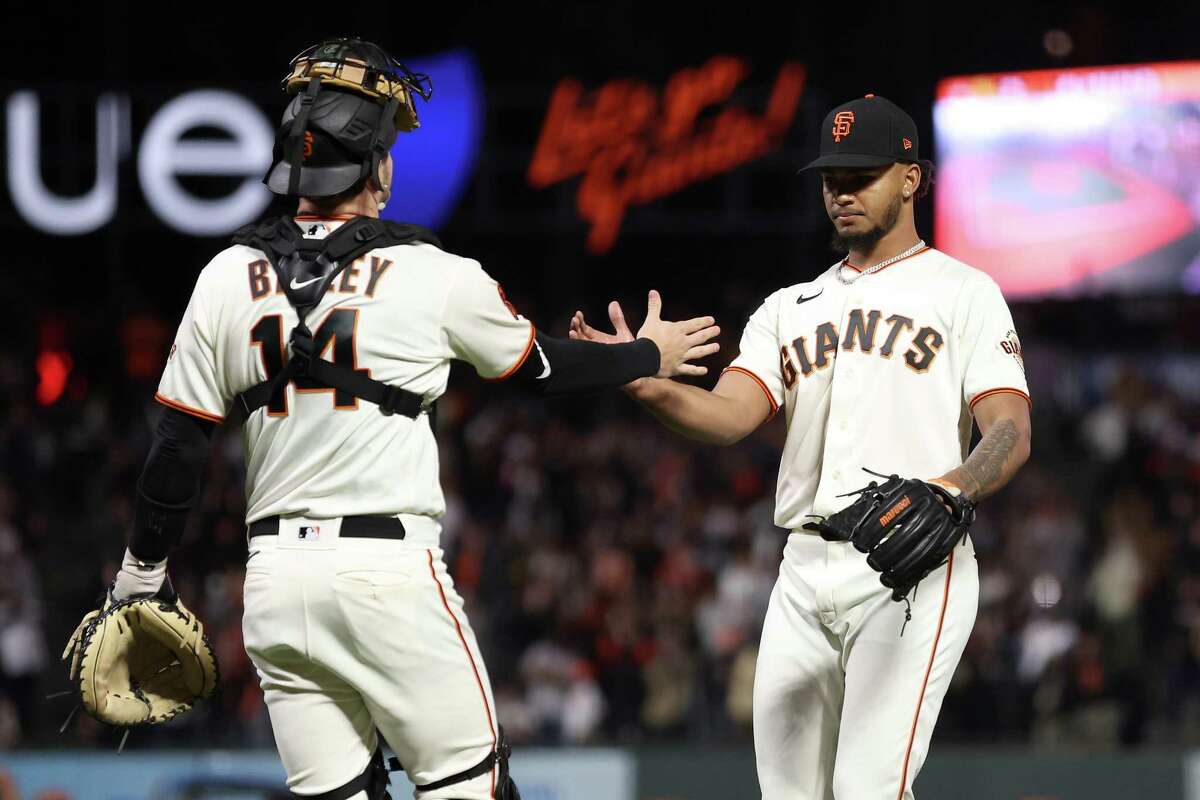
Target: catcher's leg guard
<point>505,788</point>
<point>373,780</point>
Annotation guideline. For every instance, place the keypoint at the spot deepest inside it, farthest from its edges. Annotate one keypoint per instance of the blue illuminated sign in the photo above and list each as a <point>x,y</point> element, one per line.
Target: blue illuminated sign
<point>433,163</point>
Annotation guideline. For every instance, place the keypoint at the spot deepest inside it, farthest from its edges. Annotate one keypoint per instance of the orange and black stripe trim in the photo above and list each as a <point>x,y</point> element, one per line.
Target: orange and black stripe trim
<point>479,681</point>
<point>912,734</point>
<point>185,408</point>
<point>1000,390</point>
<point>846,261</point>
<point>761,384</point>
<point>321,218</point>
<point>520,361</point>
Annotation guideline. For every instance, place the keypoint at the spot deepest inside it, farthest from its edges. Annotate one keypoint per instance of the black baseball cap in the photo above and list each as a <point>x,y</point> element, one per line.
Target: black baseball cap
<point>871,131</point>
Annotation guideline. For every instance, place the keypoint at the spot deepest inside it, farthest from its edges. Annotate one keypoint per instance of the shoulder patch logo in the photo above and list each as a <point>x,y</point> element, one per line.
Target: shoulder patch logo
<point>504,299</point>
<point>1012,345</point>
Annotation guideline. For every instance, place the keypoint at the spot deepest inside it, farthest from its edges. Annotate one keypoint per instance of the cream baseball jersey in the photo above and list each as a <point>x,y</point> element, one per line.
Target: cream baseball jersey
<point>882,373</point>
<point>400,314</point>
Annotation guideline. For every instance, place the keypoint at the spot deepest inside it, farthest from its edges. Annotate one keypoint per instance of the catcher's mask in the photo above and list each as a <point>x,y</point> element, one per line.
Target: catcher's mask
<point>350,101</point>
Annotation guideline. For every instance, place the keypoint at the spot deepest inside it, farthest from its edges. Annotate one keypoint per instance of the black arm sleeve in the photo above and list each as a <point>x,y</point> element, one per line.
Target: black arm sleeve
<point>169,484</point>
<point>563,366</point>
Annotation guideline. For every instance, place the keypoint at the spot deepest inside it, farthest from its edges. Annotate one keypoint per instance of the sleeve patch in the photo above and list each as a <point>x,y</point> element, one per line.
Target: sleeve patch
<point>507,304</point>
<point>1011,345</point>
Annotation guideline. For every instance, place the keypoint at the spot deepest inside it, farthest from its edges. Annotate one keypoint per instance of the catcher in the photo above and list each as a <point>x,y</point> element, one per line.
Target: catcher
<point>328,335</point>
<point>882,361</point>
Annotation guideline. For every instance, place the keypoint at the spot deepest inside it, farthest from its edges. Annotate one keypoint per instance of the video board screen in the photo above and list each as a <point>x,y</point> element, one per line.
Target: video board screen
<point>1072,182</point>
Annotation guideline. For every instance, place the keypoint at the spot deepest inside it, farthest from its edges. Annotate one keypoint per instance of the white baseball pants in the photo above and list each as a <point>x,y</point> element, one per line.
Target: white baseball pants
<point>844,706</point>
<point>352,634</point>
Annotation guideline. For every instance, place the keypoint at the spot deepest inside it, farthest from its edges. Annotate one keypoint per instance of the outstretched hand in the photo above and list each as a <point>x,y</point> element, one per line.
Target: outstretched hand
<point>678,342</point>
<point>580,329</point>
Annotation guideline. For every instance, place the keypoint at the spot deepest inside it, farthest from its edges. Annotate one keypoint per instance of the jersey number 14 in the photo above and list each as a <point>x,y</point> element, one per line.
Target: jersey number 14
<point>337,329</point>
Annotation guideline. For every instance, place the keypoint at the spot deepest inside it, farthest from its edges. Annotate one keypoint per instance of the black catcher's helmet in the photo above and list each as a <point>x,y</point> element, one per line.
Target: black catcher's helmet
<point>350,100</point>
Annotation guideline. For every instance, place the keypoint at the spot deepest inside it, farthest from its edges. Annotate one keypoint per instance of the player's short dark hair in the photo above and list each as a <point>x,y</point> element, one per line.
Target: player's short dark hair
<point>926,184</point>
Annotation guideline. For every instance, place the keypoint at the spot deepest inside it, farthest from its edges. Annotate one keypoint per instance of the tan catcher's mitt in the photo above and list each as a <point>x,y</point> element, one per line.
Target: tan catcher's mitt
<point>141,661</point>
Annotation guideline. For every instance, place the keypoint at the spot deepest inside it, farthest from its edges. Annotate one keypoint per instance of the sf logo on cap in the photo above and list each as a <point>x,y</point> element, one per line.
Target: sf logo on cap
<point>841,124</point>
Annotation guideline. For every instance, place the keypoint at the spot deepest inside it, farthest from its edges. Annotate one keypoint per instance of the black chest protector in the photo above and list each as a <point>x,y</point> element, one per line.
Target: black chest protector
<point>305,268</point>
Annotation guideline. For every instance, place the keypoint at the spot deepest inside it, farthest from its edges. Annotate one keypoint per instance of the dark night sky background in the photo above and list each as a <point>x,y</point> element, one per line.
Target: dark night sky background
<point>154,52</point>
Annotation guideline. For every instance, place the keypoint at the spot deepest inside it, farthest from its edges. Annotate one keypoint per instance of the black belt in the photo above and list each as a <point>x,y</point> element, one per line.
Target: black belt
<point>352,527</point>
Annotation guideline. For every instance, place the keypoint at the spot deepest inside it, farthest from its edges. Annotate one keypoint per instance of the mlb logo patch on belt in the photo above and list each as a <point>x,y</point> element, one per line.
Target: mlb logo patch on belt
<point>309,533</point>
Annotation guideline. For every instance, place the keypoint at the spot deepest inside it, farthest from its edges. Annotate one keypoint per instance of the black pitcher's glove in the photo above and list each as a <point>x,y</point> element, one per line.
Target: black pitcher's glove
<point>907,528</point>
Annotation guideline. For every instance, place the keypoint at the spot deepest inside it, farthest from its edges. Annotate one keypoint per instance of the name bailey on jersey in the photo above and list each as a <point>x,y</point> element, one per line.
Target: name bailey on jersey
<point>863,331</point>
<point>263,280</point>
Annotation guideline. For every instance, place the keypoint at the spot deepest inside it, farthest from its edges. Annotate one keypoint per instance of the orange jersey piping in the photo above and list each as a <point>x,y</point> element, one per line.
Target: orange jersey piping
<point>761,384</point>
<point>520,361</point>
<point>1000,390</point>
<point>195,412</point>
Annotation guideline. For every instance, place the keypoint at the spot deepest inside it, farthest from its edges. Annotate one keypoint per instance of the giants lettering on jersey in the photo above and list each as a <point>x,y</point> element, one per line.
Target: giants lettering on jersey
<point>263,280</point>
<point>863,332</point>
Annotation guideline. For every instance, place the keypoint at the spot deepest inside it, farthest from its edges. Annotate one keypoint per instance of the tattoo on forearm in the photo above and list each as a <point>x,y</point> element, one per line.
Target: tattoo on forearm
<point>979,473</point>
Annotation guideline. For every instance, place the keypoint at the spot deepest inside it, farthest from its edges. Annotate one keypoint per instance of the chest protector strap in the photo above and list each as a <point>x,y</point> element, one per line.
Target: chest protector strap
<point>305,268</point>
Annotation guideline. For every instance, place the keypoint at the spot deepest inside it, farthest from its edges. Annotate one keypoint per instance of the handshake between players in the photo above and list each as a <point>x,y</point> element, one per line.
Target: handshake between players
<point>679,343</point>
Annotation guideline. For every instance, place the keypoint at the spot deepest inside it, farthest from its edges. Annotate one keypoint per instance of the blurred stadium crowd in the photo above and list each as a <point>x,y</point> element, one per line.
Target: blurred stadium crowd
<point>617,574</point>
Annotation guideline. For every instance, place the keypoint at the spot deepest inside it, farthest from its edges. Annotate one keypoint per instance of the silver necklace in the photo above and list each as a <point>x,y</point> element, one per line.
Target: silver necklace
<point>886,262</point>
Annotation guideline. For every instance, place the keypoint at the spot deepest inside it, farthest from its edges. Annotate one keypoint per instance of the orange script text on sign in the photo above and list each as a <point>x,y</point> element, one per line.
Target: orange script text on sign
<point>633,144</point>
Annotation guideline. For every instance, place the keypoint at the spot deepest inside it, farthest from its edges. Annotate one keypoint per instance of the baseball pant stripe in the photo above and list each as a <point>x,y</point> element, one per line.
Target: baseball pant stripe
<point>467,650</point>
<point>925,682</point>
